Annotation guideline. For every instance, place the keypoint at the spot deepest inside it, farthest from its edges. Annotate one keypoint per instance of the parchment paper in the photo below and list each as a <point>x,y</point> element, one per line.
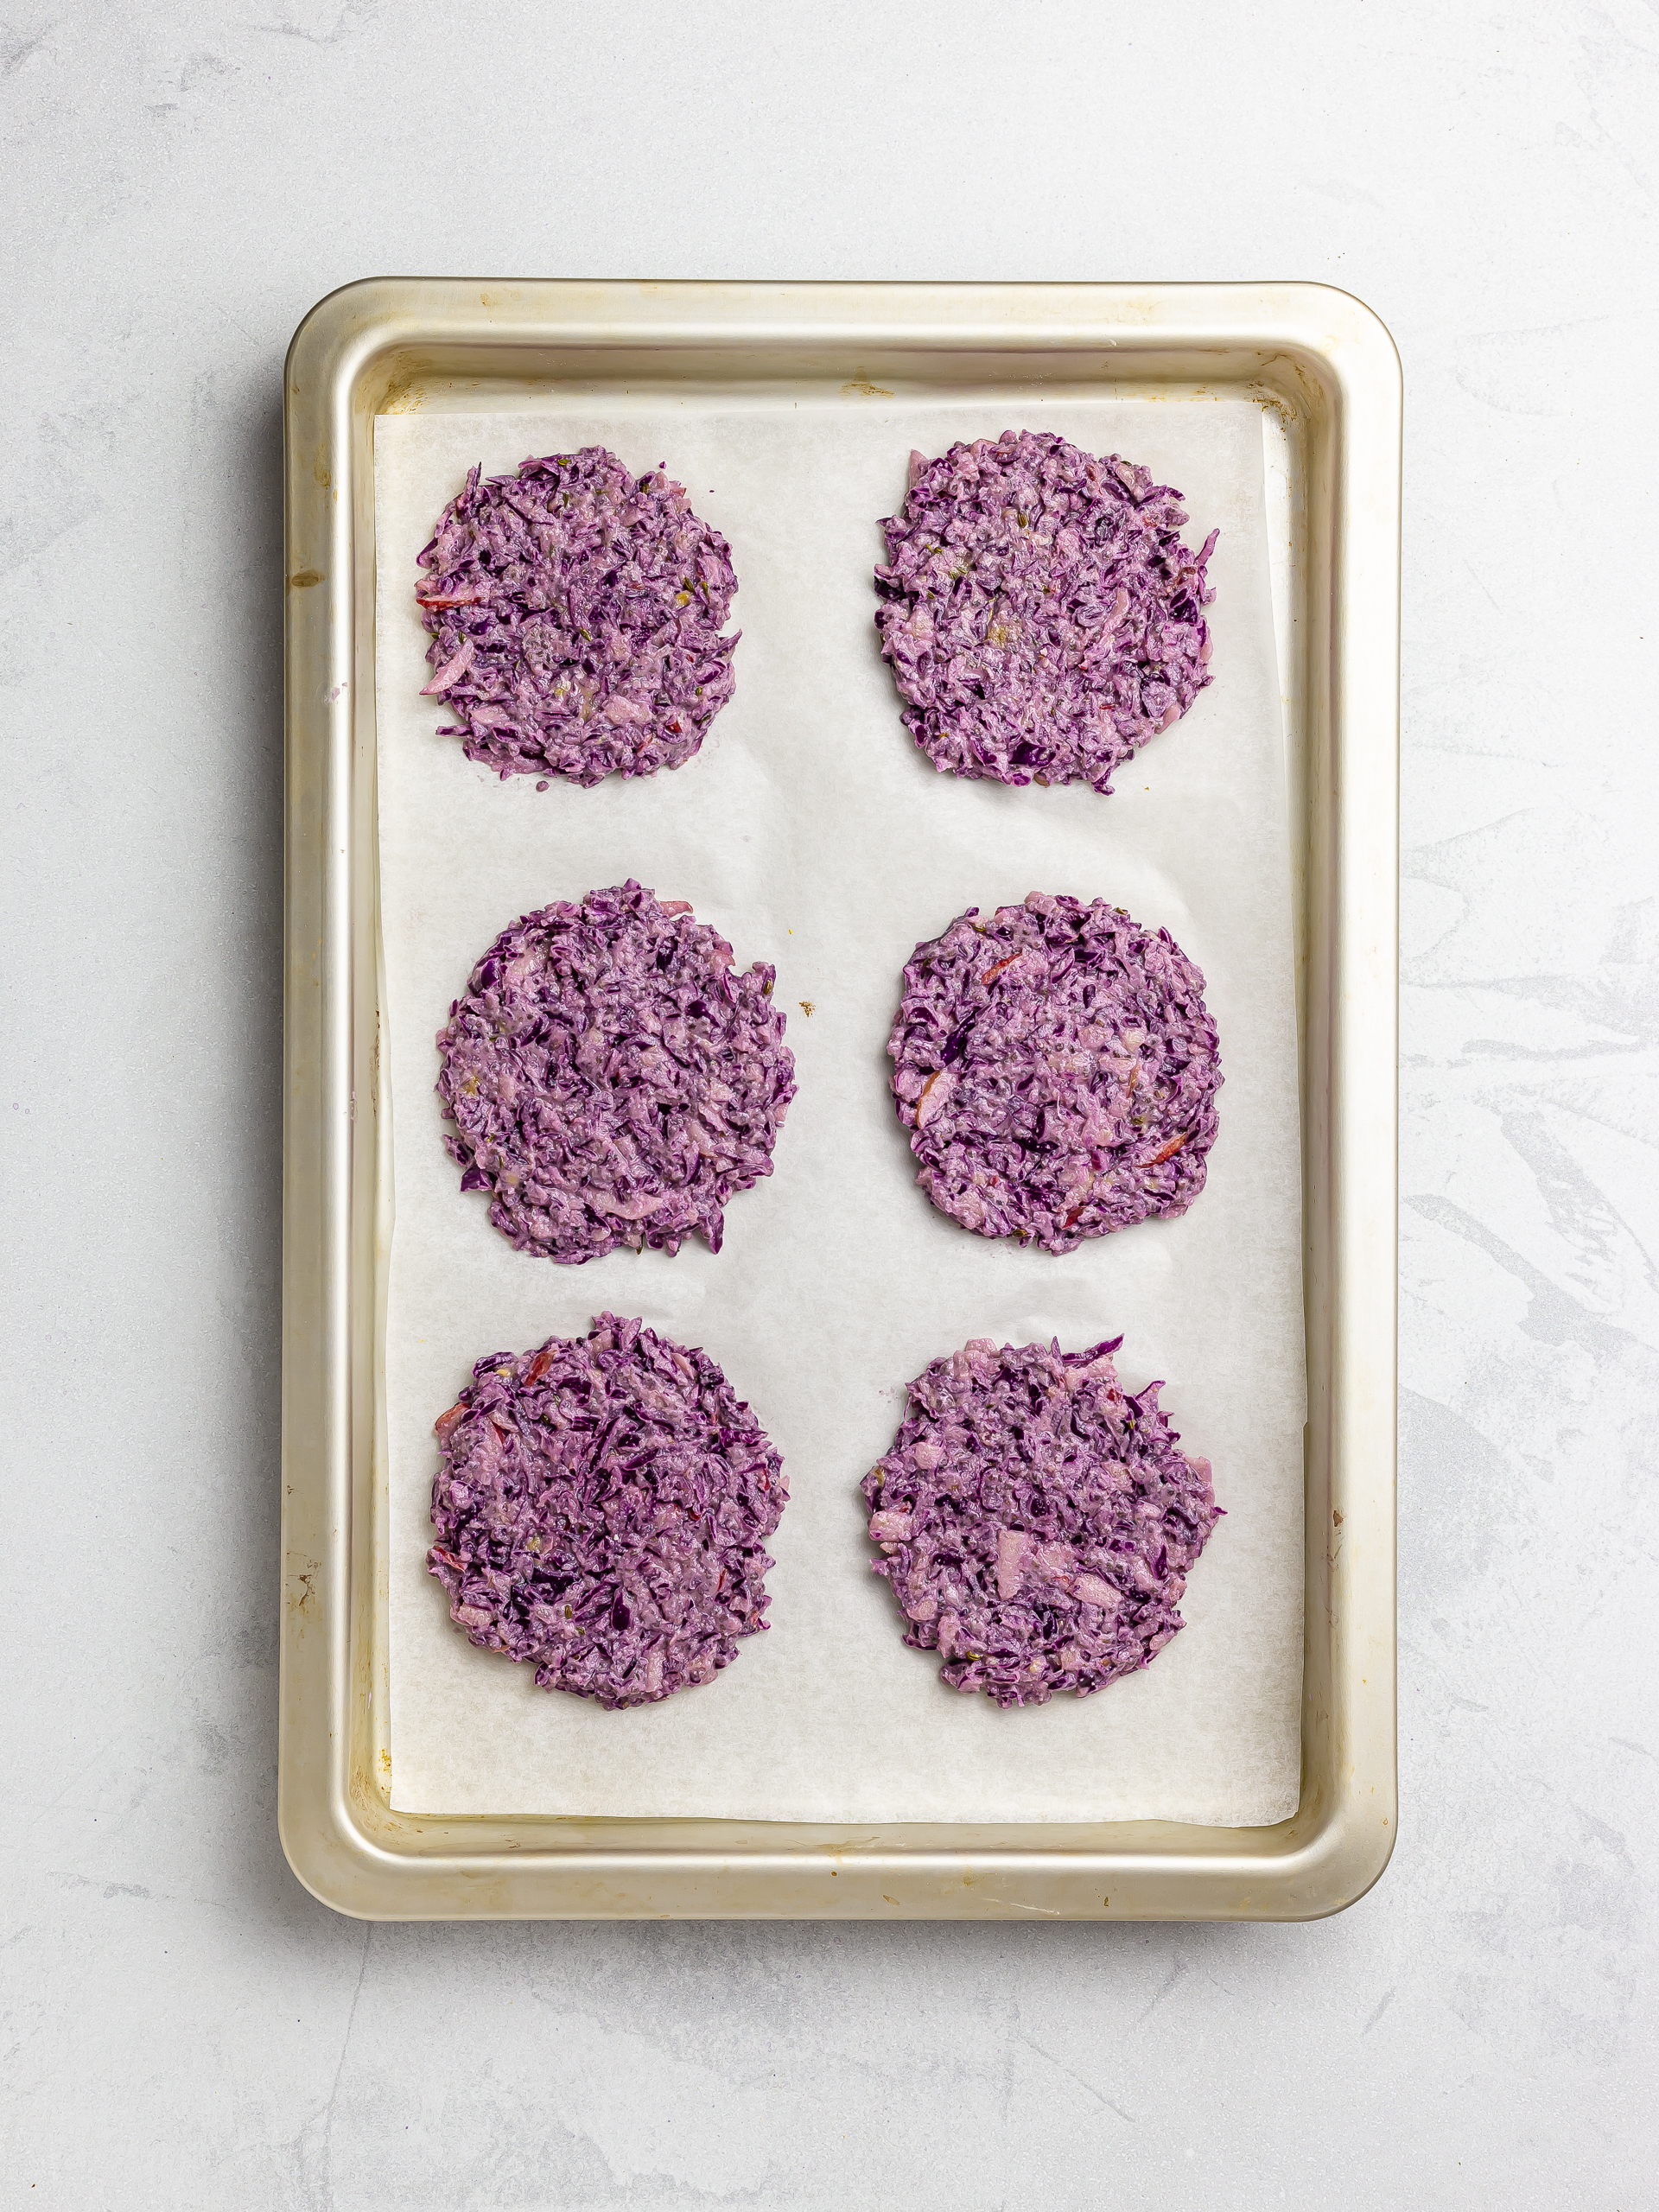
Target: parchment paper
<point>811,831</point>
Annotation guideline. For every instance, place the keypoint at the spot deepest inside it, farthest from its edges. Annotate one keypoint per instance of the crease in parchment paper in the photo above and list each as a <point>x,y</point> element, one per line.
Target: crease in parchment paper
<point>812,833</point>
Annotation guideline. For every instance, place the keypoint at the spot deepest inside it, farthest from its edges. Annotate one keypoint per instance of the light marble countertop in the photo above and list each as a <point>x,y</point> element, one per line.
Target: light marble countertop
<point>184,2027</point>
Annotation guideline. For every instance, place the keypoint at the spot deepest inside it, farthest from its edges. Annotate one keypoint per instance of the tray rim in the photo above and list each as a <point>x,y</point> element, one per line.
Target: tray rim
<point>1328,367</point>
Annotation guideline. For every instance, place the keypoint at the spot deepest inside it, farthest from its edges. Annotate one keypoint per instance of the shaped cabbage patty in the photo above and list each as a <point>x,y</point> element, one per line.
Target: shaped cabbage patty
<point>1039,610</point>
<point>612,1078</point>
<point>601,1506</point>
<point>1057,1069</point>
<point>576,613</point>
<point>1037,1524</point>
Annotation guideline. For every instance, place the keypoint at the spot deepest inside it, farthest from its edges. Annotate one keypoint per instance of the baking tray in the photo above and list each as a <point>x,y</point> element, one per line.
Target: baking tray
<point>1324,371</point>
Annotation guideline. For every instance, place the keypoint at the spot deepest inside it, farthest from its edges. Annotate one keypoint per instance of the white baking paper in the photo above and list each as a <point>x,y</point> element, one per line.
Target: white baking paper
<point>812,833</point>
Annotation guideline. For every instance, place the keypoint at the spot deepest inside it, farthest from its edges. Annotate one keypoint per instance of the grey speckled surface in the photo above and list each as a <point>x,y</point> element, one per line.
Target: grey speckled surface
<point>183,2027</point>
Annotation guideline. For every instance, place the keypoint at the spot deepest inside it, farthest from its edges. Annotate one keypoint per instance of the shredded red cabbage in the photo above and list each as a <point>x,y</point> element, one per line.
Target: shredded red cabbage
<point>611,1079</point>
<point>576,613</point>
<point>1040,612</point>
<point>602,1505</point>
<point>1036,1524</point>
<point>1057,1069</point>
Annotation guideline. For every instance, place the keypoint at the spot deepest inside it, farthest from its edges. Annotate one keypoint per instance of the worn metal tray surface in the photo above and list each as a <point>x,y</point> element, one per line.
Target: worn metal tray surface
<point>1325,371</point>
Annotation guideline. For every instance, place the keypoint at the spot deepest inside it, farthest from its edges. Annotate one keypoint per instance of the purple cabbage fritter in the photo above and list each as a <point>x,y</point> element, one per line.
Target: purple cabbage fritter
<point>613,1079</point>
<point>602,1506</point>
<point>1037,1524</point>
<point>1040,612</point>
<point>1056,1068</point>
<point>575,612</point>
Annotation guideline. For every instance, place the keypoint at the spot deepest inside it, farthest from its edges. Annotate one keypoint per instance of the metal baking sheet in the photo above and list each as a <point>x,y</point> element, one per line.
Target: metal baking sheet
<point>1325,372</point>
